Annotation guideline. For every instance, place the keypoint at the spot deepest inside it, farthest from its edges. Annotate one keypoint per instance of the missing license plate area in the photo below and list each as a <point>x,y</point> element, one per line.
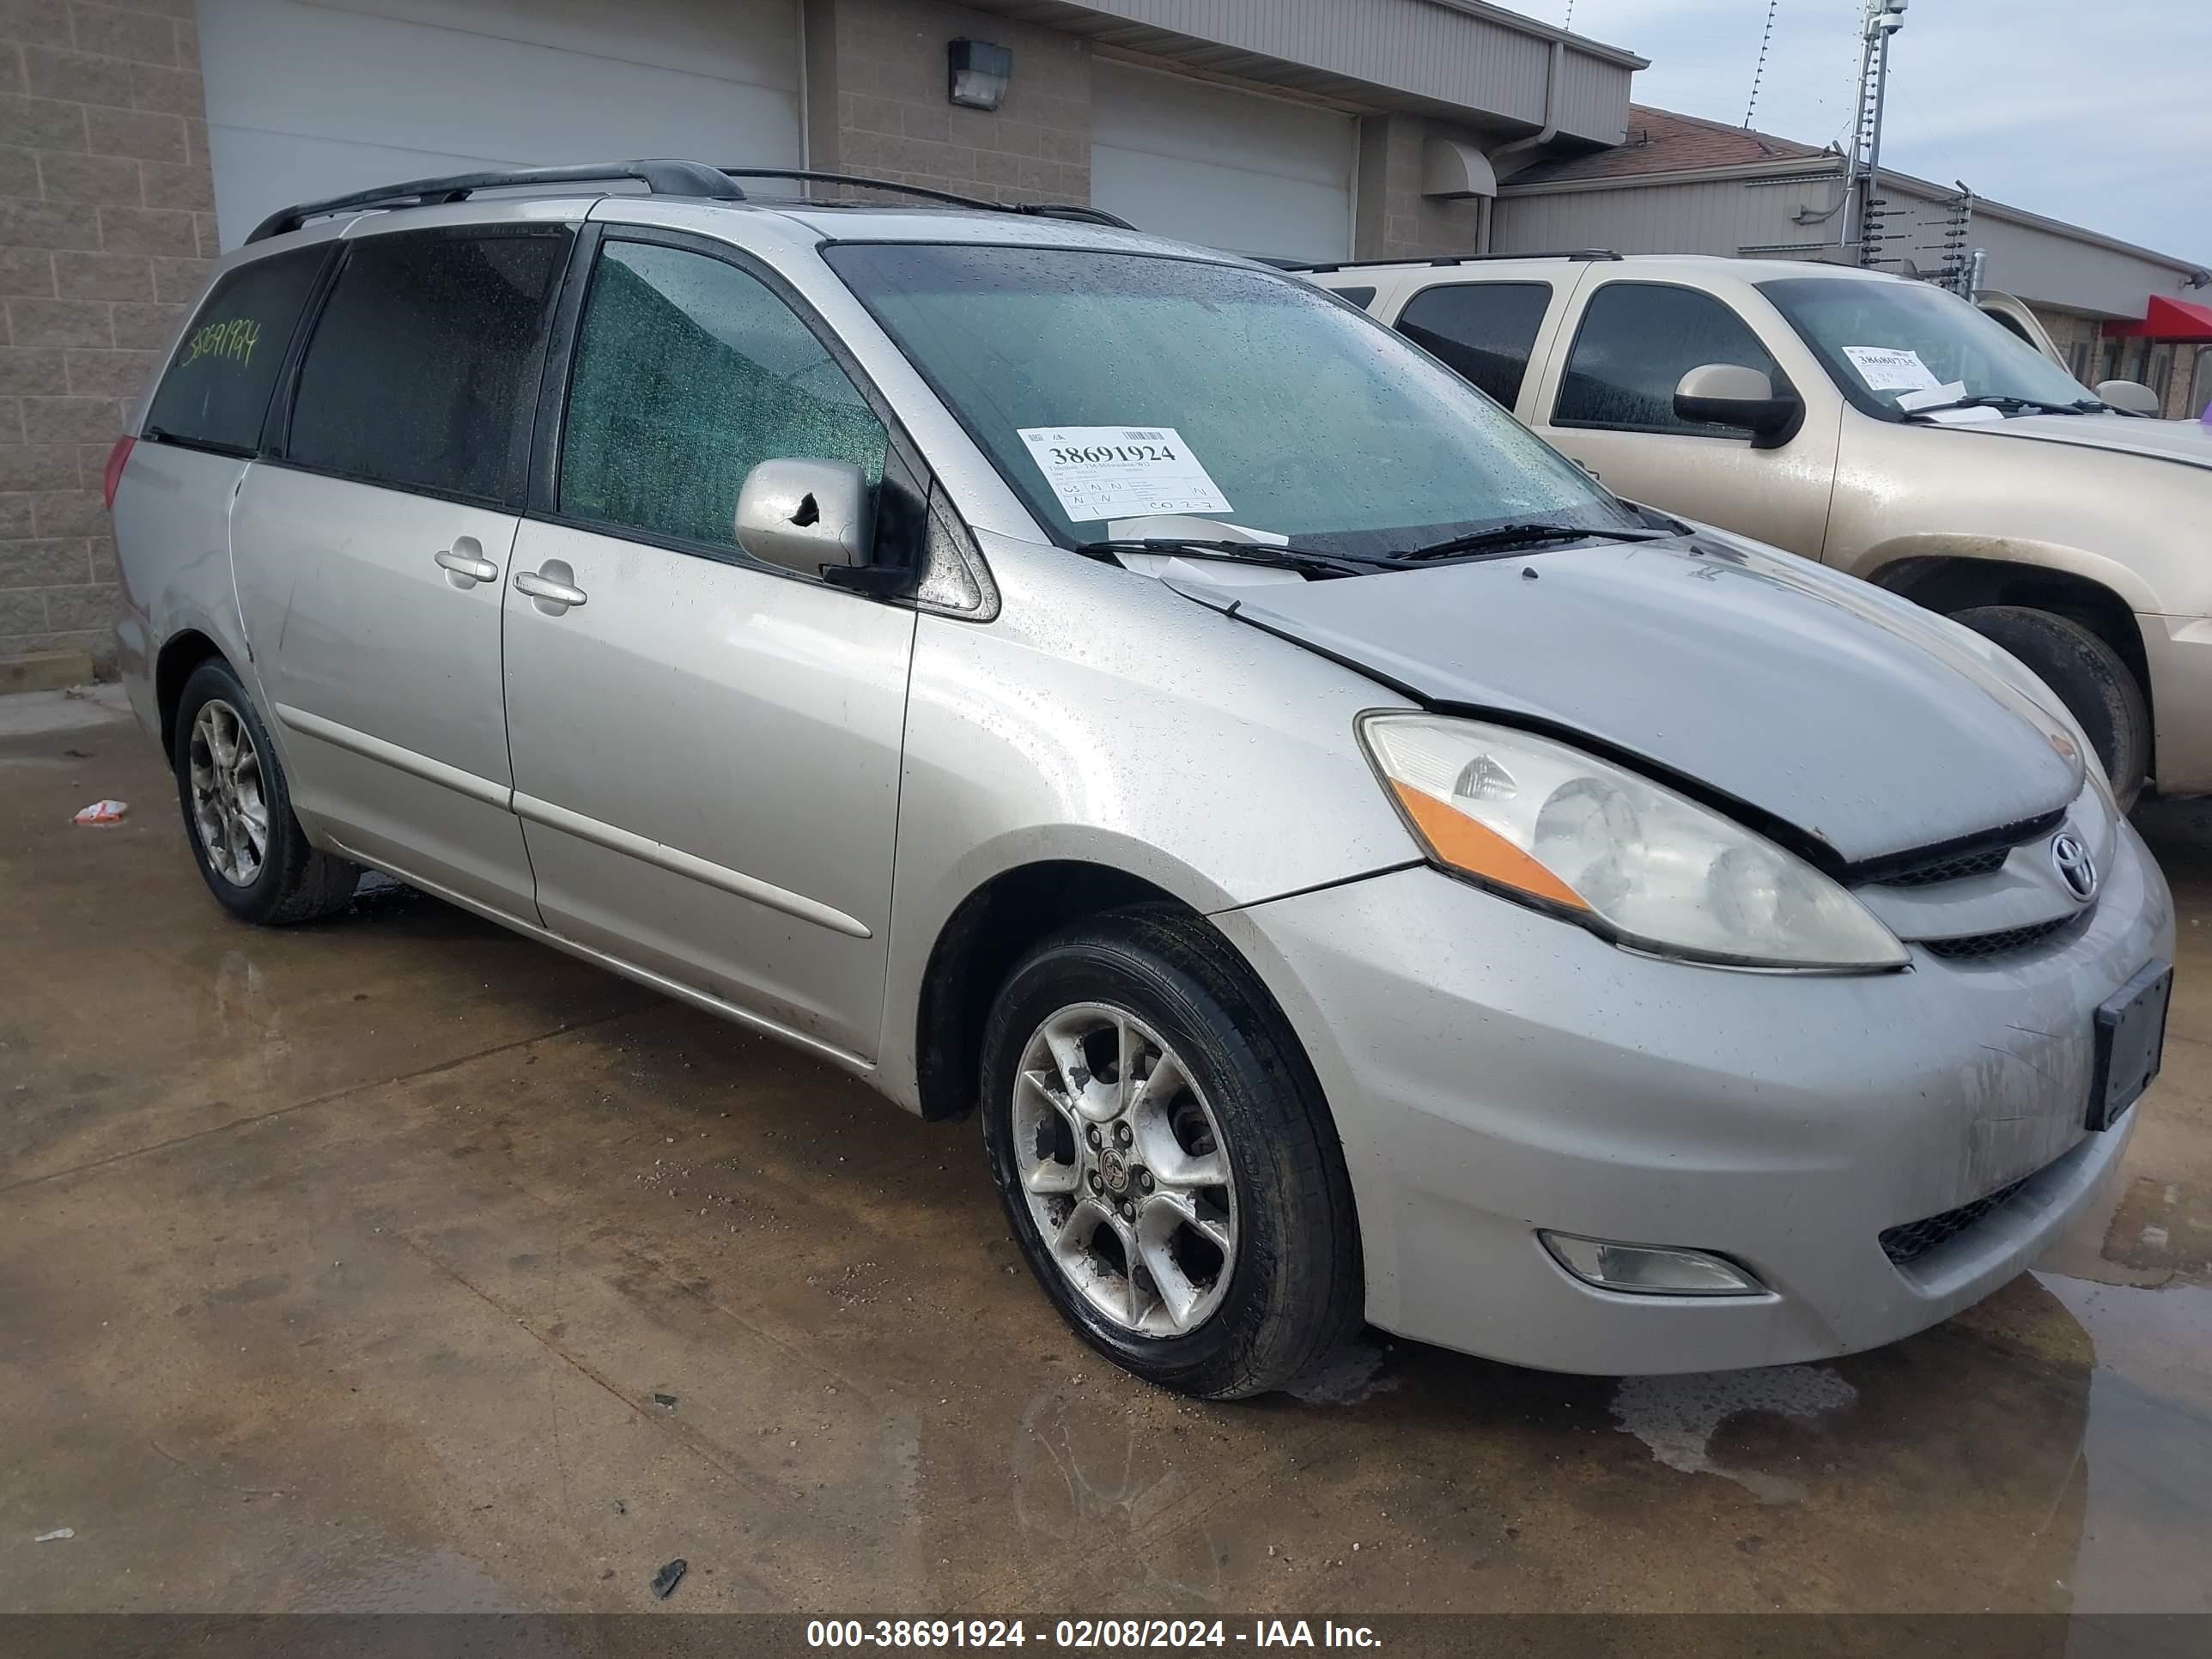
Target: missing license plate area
<point>2131,1039</point>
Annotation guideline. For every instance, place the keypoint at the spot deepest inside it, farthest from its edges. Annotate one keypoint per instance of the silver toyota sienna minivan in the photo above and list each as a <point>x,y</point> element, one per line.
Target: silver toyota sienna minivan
<point>1355,868</point>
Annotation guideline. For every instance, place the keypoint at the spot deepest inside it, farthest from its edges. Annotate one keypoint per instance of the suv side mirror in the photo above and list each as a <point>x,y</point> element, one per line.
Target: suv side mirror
<point>2132,397</point>
<point>807,515</point>
<point>1729,394</point>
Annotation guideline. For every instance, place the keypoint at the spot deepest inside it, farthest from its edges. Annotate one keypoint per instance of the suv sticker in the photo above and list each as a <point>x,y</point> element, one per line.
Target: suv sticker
<point>1890,368</point>
<point>1121,472</point>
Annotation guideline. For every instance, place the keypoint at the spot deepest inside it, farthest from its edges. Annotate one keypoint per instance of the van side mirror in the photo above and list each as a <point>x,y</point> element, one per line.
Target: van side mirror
<point>1729,394</point>
<point>807,516</point>
<point>2131,396</point>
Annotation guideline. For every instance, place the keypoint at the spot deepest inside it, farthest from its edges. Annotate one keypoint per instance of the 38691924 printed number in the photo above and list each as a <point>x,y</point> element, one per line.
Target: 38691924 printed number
<point>916,1633</point>
<point>1074,1635</point>
<point>1097,454</point>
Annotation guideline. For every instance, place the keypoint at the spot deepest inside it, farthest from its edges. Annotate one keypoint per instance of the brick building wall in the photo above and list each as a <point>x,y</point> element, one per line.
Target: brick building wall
<point>876,73</point>
<point>107,221</point>
<point>2078,338</point>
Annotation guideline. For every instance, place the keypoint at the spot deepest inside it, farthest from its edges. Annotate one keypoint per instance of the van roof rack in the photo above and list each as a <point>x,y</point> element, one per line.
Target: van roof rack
<point>665,177</point>
<point>1464,258</point>
<point>1035,209</point>
<point>660,178</point>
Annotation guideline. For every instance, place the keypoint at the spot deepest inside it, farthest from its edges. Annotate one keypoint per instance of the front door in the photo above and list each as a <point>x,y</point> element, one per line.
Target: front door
<point>370,555</point>
<point>1610,405</point>
<point>706,751</point>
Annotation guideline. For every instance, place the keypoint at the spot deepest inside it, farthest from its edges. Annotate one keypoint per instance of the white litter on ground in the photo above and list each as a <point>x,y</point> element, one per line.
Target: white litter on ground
<point>57,1533</point>
<point>102,813</point>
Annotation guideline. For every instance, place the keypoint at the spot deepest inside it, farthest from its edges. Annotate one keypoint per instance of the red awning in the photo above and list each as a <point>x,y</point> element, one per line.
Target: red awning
<point>2167,319</point>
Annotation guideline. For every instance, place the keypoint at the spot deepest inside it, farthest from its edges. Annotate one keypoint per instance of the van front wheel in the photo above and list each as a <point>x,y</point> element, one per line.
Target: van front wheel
<point>1166,1159</point>
<point>2090,678</point>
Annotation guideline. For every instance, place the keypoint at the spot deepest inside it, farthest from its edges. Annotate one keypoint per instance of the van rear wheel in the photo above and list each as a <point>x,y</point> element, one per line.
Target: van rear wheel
<point>252,854</point>
<point>2090,678</point>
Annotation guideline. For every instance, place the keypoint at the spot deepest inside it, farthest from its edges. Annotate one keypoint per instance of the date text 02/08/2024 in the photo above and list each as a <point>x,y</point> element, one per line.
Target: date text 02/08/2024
<point>1086,1634</point>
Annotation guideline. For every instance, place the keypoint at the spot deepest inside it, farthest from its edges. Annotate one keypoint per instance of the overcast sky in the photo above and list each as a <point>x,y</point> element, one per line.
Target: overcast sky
<point>2097,113</point>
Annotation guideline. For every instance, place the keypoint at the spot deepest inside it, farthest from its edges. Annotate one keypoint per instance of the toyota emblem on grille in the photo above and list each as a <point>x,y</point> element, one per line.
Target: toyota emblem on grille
<point>2075,867</point>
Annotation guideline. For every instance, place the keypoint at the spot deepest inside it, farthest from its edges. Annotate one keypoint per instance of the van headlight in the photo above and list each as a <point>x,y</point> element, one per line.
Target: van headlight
<point>1596,843</point>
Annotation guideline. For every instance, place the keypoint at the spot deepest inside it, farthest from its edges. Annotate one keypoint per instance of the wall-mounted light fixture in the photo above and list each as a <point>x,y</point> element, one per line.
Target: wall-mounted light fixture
<point>978,74</point>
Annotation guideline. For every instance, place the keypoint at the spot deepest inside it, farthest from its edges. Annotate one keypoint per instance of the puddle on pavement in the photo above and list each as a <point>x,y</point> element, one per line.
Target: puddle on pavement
<point>1677,1416</point>
<point>2146,1456</point>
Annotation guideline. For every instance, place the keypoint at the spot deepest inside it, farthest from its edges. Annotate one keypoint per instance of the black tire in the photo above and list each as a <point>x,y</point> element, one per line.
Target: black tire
<point>2091,679</point>
<point>1294,1288</point>
<point>296,882</point>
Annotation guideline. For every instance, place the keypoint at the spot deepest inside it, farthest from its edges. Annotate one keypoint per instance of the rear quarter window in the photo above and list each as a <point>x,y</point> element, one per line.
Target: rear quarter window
<point>215,392</point>
<point>1484,330</point>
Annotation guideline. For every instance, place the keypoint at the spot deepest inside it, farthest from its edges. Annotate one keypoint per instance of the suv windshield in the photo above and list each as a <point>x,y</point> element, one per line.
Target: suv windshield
<point>1880,342</point>
<point>1110,387</point>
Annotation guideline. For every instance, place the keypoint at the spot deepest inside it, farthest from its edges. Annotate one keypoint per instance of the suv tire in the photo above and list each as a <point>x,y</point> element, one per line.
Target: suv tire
<point>252,854</point>
<point>1196,1228</point>
<point>2090,678</point>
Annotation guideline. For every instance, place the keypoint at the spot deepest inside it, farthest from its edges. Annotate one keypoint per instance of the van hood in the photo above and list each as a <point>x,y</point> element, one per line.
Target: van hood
<point>1867,723</point>
<point>2189,442</point>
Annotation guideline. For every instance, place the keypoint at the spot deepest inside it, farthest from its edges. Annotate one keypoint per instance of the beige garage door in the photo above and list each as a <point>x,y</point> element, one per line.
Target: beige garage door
<point>1209,164</point>
<point>312,99</point>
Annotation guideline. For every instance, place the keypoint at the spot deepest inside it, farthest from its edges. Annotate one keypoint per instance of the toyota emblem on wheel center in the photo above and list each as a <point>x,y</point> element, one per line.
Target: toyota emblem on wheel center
<point>2075,867</point>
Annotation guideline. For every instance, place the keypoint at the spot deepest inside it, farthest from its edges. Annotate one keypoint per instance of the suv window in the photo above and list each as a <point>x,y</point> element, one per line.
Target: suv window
<point>689,372</point>
<point>1636,341</point>
<point>1484,330</point>
<point>214,393</point>
<point>424,360</point>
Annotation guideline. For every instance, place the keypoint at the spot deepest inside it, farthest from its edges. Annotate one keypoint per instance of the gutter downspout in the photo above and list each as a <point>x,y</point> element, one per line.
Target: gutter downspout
<point>1553,83</point>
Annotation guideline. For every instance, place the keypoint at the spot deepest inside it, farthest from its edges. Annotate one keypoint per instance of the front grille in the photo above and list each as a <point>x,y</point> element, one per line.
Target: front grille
<point>1906,1244</point>
<point>1955,860</point>
<point>1979,947</point>
<point>1957,867</point>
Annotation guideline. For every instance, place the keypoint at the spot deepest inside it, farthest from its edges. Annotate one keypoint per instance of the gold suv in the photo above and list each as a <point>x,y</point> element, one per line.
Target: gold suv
<point>1876,424</point>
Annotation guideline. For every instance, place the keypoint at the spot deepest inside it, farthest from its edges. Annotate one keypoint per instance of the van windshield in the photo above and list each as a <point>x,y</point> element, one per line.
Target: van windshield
<point>1110,388</point>
<point>1884,342</point>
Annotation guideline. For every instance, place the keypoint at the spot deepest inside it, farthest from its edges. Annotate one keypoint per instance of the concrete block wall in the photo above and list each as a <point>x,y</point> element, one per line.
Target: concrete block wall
<point>1392,219</point>
<point>106,224</point>
<point>876,75</point>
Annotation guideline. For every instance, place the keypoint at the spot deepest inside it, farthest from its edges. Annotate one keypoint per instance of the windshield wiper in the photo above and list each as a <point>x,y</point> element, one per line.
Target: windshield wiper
<point>1505,538</point>
<point>1307,561</point>
<point>2000,400</point>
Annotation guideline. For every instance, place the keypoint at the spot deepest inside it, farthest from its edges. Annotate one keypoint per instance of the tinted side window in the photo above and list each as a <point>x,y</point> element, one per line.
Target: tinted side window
<point>1636,341</point>
<point>424,358</point>
<point>215,391</point>
<point>1357,297</point>
<point>688,373</point>
<point>1484,330</point>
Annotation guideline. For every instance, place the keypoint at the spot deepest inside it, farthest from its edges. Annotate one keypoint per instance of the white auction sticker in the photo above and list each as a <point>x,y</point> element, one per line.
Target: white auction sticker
<point>1121,472</point>
<point>1890,368</point>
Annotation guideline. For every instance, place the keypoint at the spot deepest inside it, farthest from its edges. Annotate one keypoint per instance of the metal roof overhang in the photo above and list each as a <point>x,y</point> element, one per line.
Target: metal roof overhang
<point>1464,61</point>
<point>2167,319</point>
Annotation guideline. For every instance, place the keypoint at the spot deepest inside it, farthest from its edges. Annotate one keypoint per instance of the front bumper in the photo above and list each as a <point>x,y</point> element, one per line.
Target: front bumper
<point>1493,1071</point>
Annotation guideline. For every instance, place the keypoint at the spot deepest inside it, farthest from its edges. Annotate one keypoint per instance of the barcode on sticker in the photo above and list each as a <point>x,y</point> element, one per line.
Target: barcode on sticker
<point>1136,434</point>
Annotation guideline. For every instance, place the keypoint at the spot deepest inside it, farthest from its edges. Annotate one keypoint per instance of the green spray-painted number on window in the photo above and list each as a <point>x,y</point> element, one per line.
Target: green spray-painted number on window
<point>230,342</point>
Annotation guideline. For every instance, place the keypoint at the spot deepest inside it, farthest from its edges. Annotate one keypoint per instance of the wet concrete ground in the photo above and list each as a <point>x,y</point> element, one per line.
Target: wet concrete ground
<point>397,1263</point>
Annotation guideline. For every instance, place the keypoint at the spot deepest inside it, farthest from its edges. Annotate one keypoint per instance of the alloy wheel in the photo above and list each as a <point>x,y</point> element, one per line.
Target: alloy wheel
<point>1125,1170</point>
<point>230,809</point>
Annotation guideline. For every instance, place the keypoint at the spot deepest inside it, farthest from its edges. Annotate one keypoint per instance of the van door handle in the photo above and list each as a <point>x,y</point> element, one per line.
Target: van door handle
<point>552,586</point>
<point>461,558</point>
